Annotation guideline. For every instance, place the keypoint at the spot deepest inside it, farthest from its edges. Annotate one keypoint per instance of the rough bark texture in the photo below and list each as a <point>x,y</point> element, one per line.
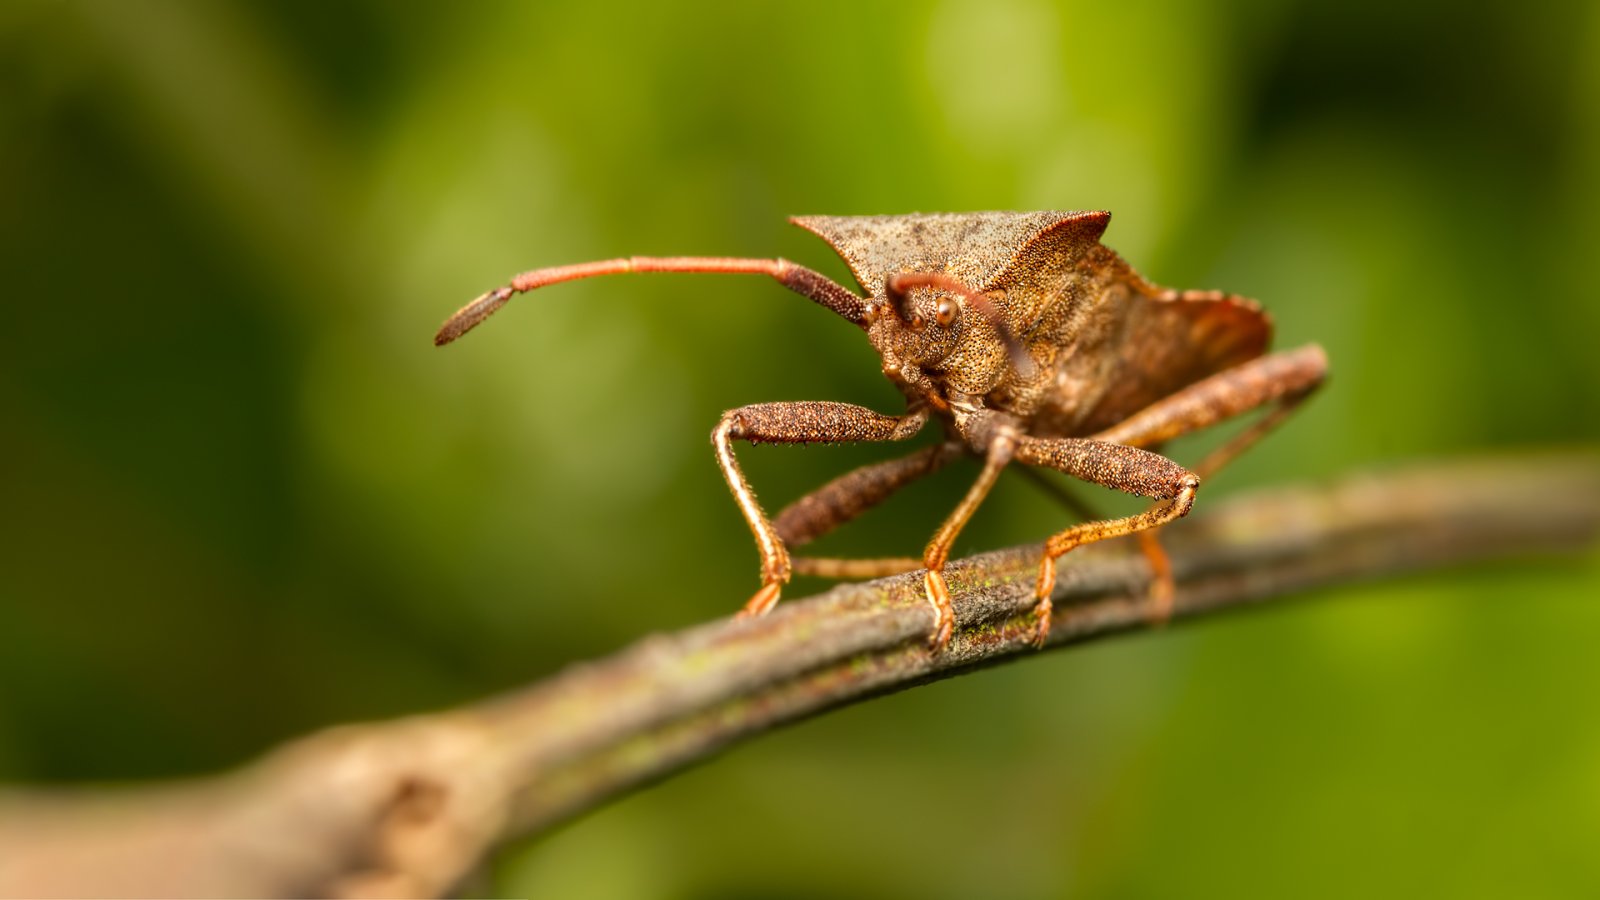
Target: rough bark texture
<point>410,807</point>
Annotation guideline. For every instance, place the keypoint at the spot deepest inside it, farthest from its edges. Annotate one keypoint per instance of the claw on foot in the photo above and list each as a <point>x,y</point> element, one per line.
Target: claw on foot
<point>763,600</point>
<point>944,615</point>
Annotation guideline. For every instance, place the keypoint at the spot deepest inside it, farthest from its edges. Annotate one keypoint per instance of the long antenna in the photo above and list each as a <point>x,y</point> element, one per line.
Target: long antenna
<point>801,280</point>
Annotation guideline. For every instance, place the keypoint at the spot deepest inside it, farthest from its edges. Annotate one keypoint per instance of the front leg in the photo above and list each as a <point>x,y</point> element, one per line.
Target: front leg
<point>1116,466</point>
<point>809,422</point>
<point>1001,443</point>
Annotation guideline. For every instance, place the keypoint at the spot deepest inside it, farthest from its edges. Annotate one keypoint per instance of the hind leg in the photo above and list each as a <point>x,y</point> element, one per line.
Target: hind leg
<point>1284,379</point>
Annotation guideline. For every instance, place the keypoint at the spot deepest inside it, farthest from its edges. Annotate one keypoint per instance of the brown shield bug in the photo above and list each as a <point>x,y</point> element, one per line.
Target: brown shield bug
<point>1030,342</point>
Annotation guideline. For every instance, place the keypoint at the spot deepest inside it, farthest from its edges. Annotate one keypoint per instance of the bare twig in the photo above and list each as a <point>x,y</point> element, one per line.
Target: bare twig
<point>409,807</point>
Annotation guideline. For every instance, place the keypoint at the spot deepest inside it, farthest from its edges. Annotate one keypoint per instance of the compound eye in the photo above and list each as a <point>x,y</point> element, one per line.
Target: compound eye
<point>947,310</point>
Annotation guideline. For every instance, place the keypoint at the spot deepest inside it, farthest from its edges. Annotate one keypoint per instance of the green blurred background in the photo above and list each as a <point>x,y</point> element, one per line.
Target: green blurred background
<point>244,497</point>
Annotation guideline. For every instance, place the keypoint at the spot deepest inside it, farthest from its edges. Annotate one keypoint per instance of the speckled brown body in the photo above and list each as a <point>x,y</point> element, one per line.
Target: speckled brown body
<point>1105,342</point>
<point>1032,343</point>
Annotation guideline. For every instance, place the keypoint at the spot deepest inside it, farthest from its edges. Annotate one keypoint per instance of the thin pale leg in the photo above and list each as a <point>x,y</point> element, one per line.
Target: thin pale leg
<point>1117,466</point>
<point>848,496</point>
<point>1244,440</point>
<point>1285,379</point>
<point>938,549</point>
<point>792,423</point>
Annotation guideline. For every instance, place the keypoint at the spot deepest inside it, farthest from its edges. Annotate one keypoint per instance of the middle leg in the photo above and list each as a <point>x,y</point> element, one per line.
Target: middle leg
<point>848,496</point>
<point>1001,447</point>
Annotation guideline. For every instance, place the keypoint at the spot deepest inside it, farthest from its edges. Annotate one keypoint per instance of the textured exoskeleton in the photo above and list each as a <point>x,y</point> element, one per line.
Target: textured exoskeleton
<point>1033,343</point>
